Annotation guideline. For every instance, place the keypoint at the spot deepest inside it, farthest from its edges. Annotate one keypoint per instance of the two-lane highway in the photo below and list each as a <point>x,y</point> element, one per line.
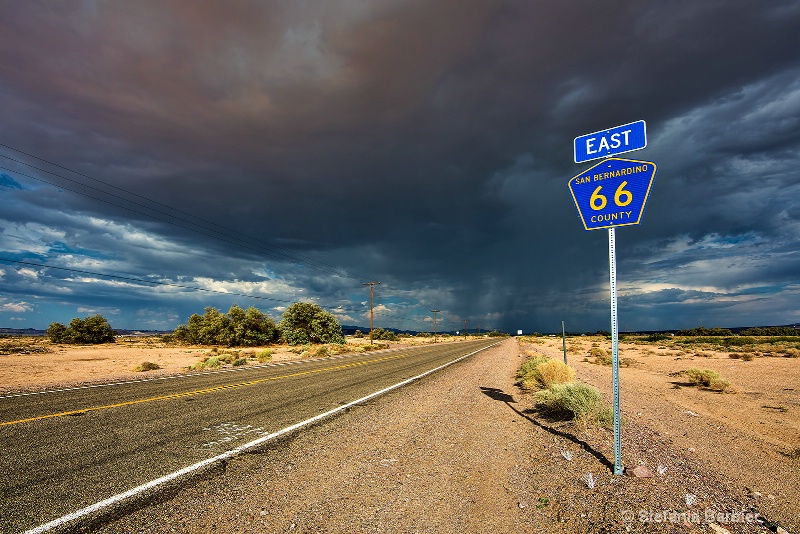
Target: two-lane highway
<point>63,451</point>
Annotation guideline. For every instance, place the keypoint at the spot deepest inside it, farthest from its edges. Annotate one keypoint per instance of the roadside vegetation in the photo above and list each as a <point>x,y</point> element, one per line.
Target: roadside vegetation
<point>146,366</point>
<point>248,328</point>
<point>708,378</point>
<point>91,330</point>
<point>558,394</point>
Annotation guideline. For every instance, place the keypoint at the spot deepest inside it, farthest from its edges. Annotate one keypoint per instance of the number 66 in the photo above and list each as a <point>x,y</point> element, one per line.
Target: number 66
<point>622,197</point>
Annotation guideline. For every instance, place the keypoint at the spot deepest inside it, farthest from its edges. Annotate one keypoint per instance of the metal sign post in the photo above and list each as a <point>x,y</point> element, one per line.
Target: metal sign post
<point>612,264</point>
<point>612,193</point>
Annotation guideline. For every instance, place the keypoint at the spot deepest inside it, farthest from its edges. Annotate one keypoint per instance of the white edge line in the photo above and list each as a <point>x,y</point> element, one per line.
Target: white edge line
<point>229,454</point>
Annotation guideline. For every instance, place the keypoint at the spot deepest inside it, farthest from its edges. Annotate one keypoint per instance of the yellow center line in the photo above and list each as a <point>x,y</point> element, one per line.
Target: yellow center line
<point>198,391</point>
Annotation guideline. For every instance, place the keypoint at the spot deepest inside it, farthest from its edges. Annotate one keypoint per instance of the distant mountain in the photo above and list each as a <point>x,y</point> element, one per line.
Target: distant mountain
<point>21,332</point>
<point>117,331</point>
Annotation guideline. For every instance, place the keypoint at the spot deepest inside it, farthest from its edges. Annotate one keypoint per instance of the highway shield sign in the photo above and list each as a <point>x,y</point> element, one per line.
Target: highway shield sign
<point>613,192</point>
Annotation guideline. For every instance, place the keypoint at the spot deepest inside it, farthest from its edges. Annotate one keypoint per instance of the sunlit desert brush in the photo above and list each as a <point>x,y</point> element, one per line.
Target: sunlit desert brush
<point>708,378</point>
<point>557,393</point>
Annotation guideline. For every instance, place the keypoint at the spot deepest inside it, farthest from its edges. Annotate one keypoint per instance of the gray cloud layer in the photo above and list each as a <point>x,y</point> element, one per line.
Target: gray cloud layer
<point>423,144</point>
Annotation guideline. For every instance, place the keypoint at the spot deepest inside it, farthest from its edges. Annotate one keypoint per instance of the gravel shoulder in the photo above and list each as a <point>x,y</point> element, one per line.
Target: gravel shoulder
<point>459,451</point>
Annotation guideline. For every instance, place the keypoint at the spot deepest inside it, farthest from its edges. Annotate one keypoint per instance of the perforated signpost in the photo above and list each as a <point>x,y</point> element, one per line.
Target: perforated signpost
<point>612,193</point>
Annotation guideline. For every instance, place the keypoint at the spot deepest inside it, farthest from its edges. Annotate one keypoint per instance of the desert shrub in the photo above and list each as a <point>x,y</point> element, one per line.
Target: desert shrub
<point>239,361</point>
<point>578,401</point>
<point>264,356</point>
<point>658,337</point>
<point>372,346</point>
<point>601,356</point>
<point>703,331</point>
<point>91,330</point>
<point>146,366</point>
<point>207,363</point>
<point>305,322</point>
<point>213,361</point>
<point>495,333</point>
<point>322,352</point>
<point>249,328</point>
<point>358,334</point>
<point>424,334</point>
<point>384,335</point>
<point>552,372</point>
<point>526,370</point>
<point>770,331</point>
<point>792,352</point>
<point>707,378</point>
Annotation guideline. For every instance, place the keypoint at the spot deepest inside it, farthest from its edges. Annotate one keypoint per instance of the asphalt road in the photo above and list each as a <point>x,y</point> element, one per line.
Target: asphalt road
<point>63,451</point>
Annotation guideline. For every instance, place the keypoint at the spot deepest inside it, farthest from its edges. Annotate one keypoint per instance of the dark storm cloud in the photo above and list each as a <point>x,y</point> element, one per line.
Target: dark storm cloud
<point>424,144</point>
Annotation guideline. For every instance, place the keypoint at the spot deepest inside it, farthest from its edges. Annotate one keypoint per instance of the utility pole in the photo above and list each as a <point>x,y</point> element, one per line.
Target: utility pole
<point>434,324</point>
<point>371,288</point>
<point>465,329</point>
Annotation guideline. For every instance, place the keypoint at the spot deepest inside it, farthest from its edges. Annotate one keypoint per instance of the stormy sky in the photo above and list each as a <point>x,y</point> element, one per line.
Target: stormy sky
<point>160,157</point>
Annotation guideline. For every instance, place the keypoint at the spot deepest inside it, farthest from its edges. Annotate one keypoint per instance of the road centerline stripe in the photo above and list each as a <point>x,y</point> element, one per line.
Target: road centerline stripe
<point>202,391</point>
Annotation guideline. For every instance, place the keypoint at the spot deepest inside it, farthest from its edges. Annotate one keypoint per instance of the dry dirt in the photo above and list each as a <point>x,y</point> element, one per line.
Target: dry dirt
<point>465,451</point>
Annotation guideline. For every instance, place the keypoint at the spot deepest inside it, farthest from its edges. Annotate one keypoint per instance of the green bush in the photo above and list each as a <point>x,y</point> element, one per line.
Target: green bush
<point>92,330</point>
<point>601,356</point>
<point>146,366</point>
<point>264,356</point>
<point>495,333</point>
<point>249,328</point>
<point>305,322</point>
<point>658,337</point>
<point>575,400</point>
<point>703,331</point>
<point>708,378</point>
<point>207,363</point>
<point>384,335</point>
<point>770,331</point>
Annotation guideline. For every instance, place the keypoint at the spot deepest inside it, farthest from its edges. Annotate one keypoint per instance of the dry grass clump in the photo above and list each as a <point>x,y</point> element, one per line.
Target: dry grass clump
<point>146,366</point>
<point>601,356</point>
<point>792,352</point>
<point>746,356</point>
<point>526,371</point>
<point>550,373</point>
<point>708,378</point>
<point>561,395</point>
<point>264,356</point>
<point>577,401</point>
<point>210,362</point>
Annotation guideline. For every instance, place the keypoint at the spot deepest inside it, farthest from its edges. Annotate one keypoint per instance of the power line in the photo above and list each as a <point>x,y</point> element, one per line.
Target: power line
<point>286,253</point>
<point>244,245</point>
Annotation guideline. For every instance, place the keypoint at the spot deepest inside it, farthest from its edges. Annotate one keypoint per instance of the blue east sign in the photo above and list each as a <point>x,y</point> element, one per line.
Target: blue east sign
<point>605,143</point>
<point>613,192</point>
